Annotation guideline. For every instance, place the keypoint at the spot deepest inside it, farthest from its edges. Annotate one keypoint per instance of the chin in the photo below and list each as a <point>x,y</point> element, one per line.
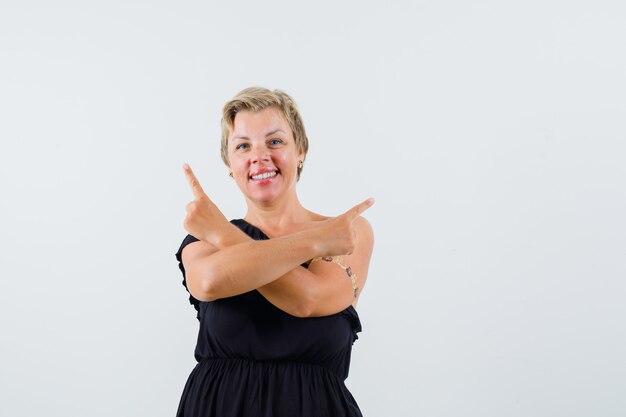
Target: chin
<point>266,193</point>
<point>263,197</point>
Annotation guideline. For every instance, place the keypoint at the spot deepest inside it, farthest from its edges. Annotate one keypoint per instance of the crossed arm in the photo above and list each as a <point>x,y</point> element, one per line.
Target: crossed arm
<point>226,262</point>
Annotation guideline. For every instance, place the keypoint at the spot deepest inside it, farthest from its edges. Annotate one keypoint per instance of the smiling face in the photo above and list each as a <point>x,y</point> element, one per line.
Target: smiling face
<point>263,156</point>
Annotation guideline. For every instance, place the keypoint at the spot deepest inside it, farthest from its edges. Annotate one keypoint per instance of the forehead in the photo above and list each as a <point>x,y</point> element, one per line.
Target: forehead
<point>258,123</point>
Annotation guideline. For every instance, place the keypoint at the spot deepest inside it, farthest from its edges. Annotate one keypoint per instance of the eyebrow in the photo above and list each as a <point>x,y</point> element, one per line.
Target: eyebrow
<point>266,135</point>
<point>273,132</point>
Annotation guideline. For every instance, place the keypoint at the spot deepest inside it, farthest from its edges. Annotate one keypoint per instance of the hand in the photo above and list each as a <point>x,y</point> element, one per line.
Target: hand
<point>337,236</point>
<point>204,220</point>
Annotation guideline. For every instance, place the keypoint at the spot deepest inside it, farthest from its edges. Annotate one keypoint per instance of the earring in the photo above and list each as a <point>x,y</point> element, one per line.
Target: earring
<point>300,164</point>
<point>230,174</point>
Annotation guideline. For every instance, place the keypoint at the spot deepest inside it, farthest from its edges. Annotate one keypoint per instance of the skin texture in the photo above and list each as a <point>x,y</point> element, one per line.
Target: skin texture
<point>226,262</point>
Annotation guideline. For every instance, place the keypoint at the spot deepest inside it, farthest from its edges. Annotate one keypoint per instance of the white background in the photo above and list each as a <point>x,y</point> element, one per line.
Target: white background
<point>491,134</point>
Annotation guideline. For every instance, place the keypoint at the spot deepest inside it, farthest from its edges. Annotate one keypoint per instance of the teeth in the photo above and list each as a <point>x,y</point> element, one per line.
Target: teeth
<point>264,175</point>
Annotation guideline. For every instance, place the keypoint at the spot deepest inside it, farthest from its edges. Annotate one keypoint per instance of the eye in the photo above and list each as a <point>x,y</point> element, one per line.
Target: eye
<point>275,142</point>
<point>241,146</point>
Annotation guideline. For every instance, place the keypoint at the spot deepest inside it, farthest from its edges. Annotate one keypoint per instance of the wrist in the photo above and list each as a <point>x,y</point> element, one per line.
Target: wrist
<point>229,235</point>
<point>316,243</point>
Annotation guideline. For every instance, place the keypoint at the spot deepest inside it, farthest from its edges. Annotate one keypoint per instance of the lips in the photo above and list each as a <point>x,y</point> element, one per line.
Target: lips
<point>264,175</point>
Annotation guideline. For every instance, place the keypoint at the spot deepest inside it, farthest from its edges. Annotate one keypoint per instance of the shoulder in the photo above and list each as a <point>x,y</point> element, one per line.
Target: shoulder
<point>363,225</point>
<point>364,230</point>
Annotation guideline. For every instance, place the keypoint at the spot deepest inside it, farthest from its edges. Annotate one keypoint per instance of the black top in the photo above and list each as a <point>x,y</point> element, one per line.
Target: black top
<point>255,360</point>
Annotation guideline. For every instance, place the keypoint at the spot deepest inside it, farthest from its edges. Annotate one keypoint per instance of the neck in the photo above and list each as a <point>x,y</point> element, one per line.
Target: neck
<point>277,215</point>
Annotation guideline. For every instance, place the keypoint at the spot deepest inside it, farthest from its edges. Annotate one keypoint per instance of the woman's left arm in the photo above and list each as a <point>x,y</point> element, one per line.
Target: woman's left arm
<point>326,287</point>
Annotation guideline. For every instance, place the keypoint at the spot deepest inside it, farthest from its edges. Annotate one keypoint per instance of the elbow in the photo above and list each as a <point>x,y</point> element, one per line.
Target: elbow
<point>303,311</point>
<point>319,307</point>
<point>208,294</point>
<point>306,306</point>
<point>202,286</point>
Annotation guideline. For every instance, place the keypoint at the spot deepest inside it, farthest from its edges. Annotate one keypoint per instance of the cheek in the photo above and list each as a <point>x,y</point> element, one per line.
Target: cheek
<point>237,167</point>
<point>236,161</point>
<point>285,160</point>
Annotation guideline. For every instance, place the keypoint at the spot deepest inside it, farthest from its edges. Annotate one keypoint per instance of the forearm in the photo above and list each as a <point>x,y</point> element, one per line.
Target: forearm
<point>300,292</point>
<point>304,294</point>
<point>242,264</point>
<point>324,288</point>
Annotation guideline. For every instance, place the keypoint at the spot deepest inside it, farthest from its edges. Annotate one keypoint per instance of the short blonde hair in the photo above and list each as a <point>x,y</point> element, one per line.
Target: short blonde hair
<point>256,99</point>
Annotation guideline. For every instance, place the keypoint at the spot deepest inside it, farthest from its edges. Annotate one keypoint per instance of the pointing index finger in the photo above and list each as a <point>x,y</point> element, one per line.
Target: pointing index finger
<point>360,208</point>
<point>193,182</point>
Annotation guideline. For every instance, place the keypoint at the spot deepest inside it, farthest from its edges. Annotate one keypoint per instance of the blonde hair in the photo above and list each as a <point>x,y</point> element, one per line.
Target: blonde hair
<point>256,99</point>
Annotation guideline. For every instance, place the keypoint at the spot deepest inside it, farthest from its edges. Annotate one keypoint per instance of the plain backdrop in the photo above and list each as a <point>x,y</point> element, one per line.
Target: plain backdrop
<point>491,133</point>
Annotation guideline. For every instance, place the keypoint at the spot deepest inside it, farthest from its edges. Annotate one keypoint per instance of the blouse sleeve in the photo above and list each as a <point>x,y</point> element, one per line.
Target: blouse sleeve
<point>179,257</point>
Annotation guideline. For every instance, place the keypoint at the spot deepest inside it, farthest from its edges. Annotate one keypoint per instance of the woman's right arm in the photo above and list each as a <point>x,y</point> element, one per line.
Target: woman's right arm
<point>227,262</point>
<point>239,264</point>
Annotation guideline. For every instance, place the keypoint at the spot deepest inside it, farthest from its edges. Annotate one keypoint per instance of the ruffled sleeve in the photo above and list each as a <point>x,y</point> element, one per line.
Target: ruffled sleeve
<point>355,322</point>
<point>179,257</point>
<point>246,227</point>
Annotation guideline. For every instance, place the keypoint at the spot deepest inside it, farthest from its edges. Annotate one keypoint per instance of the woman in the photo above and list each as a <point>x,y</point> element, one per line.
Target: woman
<point>275,291</point>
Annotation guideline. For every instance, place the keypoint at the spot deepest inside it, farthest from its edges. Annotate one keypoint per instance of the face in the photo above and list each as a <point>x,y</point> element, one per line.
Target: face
<point>263,156</point>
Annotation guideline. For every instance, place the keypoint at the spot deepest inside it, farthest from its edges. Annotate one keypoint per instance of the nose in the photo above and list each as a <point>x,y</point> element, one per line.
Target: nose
<point>258,154</point>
